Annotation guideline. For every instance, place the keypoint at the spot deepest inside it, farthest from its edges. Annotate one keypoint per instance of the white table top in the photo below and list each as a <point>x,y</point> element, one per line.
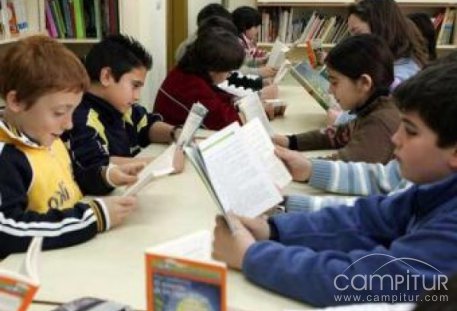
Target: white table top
<point>111,266</point>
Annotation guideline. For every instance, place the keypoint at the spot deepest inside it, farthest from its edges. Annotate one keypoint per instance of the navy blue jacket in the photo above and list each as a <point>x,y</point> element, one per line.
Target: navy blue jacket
<point>411,235</point>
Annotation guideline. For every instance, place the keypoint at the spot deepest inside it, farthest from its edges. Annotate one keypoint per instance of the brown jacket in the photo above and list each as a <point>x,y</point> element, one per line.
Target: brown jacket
<point>365,139</point>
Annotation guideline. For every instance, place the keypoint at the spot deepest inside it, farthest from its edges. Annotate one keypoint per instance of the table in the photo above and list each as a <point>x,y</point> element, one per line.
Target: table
<point>111,266</point>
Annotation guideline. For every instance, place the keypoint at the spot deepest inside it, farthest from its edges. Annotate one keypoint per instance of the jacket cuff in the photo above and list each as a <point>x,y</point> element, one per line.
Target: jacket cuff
<point>293,142</point>
<point>101,212</point>
<point>321,174</point>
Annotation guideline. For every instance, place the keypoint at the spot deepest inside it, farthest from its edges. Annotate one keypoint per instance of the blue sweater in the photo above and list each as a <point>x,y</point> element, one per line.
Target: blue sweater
<point>315,248</point>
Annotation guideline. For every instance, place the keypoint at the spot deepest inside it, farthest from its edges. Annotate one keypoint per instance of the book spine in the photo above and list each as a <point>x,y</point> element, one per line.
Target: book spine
<point>50,23</point>
<point>79,19</point>
<point>66,9</point>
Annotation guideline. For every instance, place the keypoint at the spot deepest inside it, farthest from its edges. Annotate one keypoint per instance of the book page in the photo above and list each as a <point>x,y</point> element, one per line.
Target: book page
<point>256,137</point>
<point>18,289</point>
<point>160,166</point>
<point>236,91</point>
<point>277,55</point>
<point>193,121</point>
<point>282,71</point>
<point>240,181</point>
<point>251,106</point>
<point>193,246</point>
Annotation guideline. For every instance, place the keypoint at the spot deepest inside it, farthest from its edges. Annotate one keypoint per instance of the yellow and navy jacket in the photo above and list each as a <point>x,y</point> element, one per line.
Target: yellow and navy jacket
<point>39,196</point>
<point>100,131</point>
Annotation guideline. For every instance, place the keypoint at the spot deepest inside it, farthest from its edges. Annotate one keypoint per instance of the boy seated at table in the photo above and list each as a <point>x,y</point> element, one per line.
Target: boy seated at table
<point>42,83</point>
<point>319,256</point>
<point>109,126</point>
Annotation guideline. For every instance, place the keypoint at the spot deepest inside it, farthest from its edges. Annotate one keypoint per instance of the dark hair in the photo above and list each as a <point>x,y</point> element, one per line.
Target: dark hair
<point>433,95</point>
<point>363,54</point>
<point>214,50</point>
<point>118,52</point>
<point>450,58</point>
<point>387,21</point>
<point>426,28</point>
<point>246,17</point>
<point>212,9</point>
<point>449,291</point>
<point>217,21</point>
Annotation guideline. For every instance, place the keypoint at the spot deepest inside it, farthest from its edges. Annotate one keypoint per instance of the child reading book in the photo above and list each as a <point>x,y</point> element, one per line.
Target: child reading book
<point>39,194</point>
<point>360,72</point>
<point>109,126</point>
<point>318,257</point>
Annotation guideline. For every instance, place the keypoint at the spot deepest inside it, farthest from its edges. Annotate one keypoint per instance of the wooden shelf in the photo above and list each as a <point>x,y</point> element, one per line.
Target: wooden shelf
<point>79,41</point>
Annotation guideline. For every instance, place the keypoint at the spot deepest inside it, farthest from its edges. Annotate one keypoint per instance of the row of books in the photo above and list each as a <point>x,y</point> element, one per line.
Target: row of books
<point>445,23</point>
<point>81,18</point>
<point>13,17</point>
<point>291,25</point>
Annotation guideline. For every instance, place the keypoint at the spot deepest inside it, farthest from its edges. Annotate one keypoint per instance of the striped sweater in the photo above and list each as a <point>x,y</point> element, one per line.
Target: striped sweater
<point>348,178</point>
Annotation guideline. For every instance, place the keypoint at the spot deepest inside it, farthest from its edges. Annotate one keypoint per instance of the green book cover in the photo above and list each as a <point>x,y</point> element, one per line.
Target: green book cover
<point>79,19</point>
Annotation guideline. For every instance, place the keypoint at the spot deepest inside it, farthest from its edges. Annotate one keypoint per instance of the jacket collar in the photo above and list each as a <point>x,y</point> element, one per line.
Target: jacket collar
<point>370,104</point>
<point>10,134</point>
<point>102,105</point>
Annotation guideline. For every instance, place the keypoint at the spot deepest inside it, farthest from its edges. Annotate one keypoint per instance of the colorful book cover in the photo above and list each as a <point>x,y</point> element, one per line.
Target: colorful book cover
<point>180,275</point>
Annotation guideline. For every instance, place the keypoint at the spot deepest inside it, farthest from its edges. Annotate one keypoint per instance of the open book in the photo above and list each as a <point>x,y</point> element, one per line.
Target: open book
<point>163,164</point>
<point>313,81</point>
<point>282,71</point>
<point>251,107</point>
<point>240,170</point>
<point>180,275</point>
<point>277,54</point>
<point>18,288</point>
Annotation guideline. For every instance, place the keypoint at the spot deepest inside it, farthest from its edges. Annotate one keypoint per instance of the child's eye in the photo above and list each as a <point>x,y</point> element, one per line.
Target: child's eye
<point>410,132</point>
<point>59,113</point>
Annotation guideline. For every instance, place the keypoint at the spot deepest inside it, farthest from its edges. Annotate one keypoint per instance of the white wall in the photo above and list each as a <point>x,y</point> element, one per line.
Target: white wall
<point>194,6</point>
<point>233,4</point>
<point>146,21</point>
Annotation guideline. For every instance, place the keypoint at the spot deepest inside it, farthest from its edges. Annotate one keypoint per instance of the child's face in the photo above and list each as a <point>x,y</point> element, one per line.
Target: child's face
<point>252,32</point>
<point>125,92</point>
<point>48,117</point>
<point>349,93</point>
<point>356,26</point>
<point>421,160</point>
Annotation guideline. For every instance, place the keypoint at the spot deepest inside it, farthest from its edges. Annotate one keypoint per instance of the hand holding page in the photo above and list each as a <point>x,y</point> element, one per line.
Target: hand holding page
<point>193,122</point>
<point>251,106</point>
<point>18,288</point>
<point>160,166</point>
<point>180,275</point>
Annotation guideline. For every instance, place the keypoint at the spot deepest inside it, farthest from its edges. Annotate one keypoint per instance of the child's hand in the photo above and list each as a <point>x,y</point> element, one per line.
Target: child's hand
<point>269,110</point>
<point>332,115</point>
<point>119,208</point>
<point>178,160</point>
<point>229,247</point>
<point>258,227</point>
<point>298,165</point>
<point>124,174</point>
<point>269,92</point>
<point>267,72</point>
<point>281,140</point>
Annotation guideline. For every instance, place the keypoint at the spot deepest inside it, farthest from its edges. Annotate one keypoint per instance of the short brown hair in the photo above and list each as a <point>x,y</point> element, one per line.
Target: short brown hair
<point>39,65</point>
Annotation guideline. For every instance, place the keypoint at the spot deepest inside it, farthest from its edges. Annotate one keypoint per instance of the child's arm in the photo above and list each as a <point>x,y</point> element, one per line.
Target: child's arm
<point>161,132</point>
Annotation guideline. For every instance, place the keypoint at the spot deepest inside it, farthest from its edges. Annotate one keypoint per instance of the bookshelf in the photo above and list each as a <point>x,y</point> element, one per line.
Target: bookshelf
<point>290,25</point>
<point>69,21</point>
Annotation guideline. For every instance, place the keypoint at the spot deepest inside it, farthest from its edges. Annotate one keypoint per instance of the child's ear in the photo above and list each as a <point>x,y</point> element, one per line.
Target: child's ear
<point>13,104</point>
<point>106,76</point>
<point>453,159</point>
<point>365,82</point>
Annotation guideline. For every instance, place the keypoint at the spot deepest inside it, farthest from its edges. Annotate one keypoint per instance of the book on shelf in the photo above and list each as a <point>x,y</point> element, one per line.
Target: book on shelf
<point>163,164</point>
<point>181,275</point>
<point>92,304</point>
<point>314,83</point>
<point>299,25</point>
<point>240,170</point>
<point>17,289</point>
